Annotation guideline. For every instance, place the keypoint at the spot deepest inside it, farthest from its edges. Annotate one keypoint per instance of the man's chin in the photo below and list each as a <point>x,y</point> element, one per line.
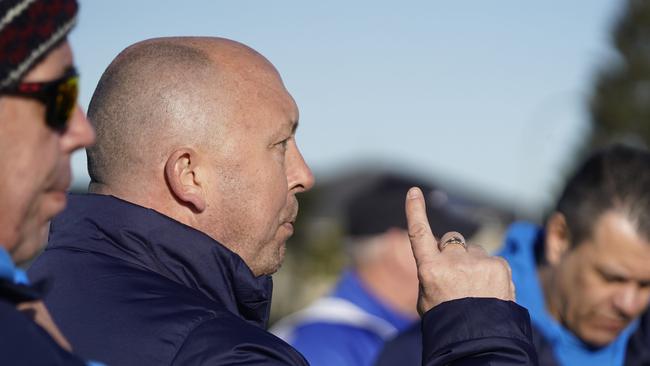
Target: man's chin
<point>598,338</point>
<point>30,245</point>
<point>54,203</point>
<point>274,269</point>
<point>274,262</point>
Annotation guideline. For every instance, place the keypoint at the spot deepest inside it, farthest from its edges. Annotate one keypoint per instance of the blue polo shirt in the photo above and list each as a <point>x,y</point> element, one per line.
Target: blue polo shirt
<point>8,270</point>
<point>347,328</point>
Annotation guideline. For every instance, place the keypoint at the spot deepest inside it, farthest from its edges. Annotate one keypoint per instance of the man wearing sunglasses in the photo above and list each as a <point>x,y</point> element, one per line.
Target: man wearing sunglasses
<point>40,126</point>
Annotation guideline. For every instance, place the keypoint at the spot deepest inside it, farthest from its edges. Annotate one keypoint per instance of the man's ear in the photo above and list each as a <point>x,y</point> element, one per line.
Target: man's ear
<point>558,238</point>
<point>181,174</point>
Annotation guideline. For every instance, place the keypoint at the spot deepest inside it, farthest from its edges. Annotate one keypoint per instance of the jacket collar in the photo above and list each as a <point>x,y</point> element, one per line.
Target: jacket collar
<point>141,236</point>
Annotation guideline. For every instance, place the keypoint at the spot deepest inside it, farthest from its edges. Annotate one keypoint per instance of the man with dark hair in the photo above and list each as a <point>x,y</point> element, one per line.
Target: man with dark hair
<point>40,126</point>
<point>591,277</point>
<point>585,277</point>
<point>195,177</point>
<point>376,297</point>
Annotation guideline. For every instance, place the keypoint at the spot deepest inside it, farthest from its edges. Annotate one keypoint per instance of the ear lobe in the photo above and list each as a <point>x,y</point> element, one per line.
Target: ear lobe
<point>181,175</point>
<point>558,239</point>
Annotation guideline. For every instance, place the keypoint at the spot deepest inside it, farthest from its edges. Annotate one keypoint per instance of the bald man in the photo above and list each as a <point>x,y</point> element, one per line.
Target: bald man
<point>194,178</point>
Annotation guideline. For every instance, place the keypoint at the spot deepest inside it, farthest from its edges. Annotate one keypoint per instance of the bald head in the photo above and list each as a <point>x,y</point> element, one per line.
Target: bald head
<point>167,92</point>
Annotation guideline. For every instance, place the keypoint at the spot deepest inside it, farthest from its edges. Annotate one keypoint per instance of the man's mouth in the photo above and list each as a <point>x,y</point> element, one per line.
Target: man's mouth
<point>613,325</point>
<point>293,214</point>
<point>62,181</point>
<point>289,227</point>
<point>289,223</point>
<point>61,187</point>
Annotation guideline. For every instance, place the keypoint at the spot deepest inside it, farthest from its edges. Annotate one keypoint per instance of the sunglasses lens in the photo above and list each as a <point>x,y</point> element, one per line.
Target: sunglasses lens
<point>65,103</point>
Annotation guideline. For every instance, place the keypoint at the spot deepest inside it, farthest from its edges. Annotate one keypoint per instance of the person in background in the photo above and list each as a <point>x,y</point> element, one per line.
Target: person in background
<point>377,296</point>
<point>584,276</point>
<point>40,126</point>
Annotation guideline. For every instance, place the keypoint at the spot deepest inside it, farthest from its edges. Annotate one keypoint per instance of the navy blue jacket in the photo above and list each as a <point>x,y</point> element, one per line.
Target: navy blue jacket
<point>638,346</point>
<point>406,348</point>
<point>133,287</point>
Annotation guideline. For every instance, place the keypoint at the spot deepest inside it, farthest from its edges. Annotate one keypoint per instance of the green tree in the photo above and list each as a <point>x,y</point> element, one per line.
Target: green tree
<point>620,106</point>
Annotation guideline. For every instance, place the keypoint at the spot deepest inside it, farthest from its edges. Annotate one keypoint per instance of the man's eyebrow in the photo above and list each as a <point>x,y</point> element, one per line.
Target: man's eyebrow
<point>622,273</point>
<point>281,132</point>
<point>612,270</point>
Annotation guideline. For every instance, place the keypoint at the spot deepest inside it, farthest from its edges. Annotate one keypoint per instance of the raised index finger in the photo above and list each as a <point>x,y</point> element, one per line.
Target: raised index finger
<point>423,243</point>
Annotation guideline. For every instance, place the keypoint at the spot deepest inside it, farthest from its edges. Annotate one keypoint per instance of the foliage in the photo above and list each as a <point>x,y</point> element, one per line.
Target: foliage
<point>620,106</point>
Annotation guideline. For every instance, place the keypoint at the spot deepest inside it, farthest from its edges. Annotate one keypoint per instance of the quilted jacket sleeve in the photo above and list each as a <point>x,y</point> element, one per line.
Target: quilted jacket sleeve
<point>477,331</point>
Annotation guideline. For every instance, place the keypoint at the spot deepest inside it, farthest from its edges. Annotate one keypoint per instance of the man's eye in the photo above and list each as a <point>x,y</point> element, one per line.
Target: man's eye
<point>283,144</point>
<point>612,278</point>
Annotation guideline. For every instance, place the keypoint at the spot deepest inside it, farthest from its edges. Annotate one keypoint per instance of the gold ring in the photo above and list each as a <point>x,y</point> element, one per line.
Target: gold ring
<point>454,238</point>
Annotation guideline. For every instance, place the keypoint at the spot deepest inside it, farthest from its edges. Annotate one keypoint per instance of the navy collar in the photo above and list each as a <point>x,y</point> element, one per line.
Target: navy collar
<point>141,236</point>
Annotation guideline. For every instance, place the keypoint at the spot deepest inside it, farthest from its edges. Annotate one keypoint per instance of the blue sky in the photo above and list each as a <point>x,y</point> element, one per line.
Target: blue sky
<point>489,95</point>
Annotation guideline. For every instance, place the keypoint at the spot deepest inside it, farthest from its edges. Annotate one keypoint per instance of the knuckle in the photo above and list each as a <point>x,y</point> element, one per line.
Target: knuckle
<point>500,267</point>
<point>478,249</point>
<point>502,262</point>
<point>426,276</point>
<point>417,230</point>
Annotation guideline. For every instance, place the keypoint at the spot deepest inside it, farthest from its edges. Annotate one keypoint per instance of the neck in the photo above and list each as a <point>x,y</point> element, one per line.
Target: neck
<point>108,190</point>
<point>551,290</point>
<point>151,197</point>
<point>397,292</point>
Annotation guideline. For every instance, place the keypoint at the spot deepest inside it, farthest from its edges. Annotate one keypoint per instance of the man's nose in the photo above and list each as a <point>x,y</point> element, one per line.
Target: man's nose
<point>79,132</point>
<point>630,301</point>
<point>299,175</point>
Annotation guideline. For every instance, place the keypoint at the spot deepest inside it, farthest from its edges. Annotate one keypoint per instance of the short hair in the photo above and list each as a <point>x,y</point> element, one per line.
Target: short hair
<point>614,178</point>
<point>134,100</point>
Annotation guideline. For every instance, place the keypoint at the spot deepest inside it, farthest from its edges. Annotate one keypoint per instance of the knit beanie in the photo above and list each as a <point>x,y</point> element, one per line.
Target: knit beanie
<point>29,29</point>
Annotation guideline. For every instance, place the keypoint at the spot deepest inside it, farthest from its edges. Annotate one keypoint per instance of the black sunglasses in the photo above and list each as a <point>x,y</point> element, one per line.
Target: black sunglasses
<point>59,97</point>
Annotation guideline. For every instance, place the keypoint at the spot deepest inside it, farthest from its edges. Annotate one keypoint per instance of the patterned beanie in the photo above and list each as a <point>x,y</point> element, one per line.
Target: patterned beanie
<point>29,29</point>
